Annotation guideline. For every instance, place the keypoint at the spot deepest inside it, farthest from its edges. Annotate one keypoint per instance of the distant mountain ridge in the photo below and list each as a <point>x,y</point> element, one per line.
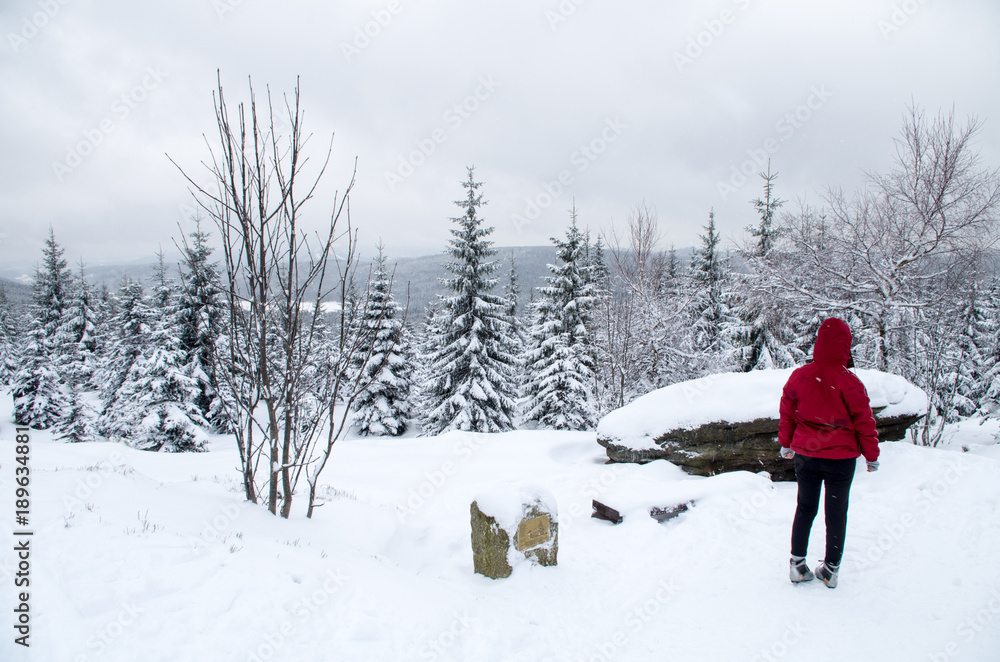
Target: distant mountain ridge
<point>18,294</point>
<point>419,277</point>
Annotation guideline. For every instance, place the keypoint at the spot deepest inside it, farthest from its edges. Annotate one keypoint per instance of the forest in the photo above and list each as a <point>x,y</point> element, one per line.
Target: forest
<point>273,335</point>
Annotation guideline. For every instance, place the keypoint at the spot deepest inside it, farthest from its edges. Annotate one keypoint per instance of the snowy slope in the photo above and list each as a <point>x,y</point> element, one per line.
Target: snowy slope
<point>737,398</point>
<point>144,556</point>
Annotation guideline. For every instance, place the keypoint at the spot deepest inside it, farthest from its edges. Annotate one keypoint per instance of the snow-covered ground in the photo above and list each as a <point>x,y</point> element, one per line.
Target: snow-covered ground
<point>974,435</point>
<point>143,556</point>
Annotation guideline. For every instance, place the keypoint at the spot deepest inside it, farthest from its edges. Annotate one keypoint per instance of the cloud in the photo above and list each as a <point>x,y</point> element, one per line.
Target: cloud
<point>384,76</point>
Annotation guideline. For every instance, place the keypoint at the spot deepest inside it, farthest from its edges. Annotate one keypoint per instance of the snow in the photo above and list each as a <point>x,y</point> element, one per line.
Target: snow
<point>736,398</point>
<point>974,435</point>
<point>898,396</point>
<point>506,503</point>
<point>152,556</point>
<point>324,306</point>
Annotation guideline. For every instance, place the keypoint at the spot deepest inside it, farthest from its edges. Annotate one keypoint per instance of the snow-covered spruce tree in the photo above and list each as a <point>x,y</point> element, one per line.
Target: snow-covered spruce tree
<point>758,327</point>
<point>382,408</point>
<point>423,346</point>
<point>709,276</point>
<point>131,328</point>
<point>149,399</point>
<point>560,360</point>
<point>9,338</point>
<point>163,290</point>
<point>749,333</point>
<point>78,426</point>
<point>472,384</point>
<point>200,315</point>
<point>512,296</point>
<point>52,294</point>
<point>989,406</point>
<point>156,409</point>
<point>40,392</point>
<point>975,349</point>
<point>52,290</point>
<point>40,396</point>
<point>765,232</point>
<point>79,329</point>
<point>673,265</point>
<point>599,276</point>
<point>105,312</point>
<point>81,362</point>
<point>156,402</point>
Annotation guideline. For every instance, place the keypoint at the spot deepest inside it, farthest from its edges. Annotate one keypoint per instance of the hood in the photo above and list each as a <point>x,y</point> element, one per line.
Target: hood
<point>833,342</point>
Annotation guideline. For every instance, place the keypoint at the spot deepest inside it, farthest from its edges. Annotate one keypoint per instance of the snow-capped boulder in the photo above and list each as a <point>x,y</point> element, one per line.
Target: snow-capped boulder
<point>729,422</point>
<point>511,525</point>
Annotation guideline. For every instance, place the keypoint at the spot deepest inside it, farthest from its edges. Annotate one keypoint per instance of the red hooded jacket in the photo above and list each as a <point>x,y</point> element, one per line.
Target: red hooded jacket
<point>825,410</point>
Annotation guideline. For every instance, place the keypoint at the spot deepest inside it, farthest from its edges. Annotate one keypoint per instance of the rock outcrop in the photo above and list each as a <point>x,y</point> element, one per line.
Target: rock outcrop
<point>688,424</point>
<point>717,447</point>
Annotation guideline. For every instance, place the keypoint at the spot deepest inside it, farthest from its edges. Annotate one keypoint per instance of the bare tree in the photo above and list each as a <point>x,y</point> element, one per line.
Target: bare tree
<point>637,316</point>
<point>890,257</point>
<point>879,250</point>
<point>284,371</point>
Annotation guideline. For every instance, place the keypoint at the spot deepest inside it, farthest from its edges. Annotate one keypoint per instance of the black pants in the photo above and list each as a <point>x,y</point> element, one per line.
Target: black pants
<point>811,473</point>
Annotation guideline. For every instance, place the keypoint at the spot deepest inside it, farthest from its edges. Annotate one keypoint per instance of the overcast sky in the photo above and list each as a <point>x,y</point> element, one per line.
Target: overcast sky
<point>626,102</point>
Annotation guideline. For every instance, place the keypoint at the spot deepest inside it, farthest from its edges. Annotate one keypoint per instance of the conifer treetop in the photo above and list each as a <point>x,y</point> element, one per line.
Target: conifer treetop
<point>767,207</point>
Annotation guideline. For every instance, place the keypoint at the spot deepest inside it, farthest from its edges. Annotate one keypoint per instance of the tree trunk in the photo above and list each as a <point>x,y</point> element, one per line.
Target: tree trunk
<point>286,483</point>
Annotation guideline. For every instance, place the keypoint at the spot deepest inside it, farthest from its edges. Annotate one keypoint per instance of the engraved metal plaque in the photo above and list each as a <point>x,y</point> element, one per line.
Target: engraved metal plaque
<point>532,532</point>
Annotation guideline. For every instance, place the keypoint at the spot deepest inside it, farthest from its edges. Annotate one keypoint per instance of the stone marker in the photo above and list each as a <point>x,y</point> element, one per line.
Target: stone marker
<point>511,525</point>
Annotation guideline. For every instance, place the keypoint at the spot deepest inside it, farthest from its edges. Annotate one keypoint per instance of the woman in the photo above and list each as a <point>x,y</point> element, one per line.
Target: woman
<point>826,423</point>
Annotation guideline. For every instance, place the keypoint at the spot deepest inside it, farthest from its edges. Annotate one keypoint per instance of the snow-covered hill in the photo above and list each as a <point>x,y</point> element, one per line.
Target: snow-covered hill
<point>142,556</point>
